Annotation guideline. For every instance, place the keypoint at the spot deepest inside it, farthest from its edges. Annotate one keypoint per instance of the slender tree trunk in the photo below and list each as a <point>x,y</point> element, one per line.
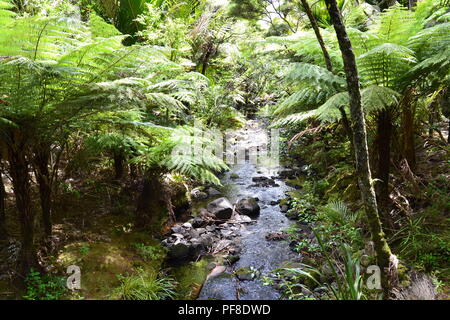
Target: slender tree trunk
<point>18,168</point>
<point>316,29</point>
<point>41,163</point>
<point>3,230</point>
<point>347,126</point>
<point>432,116</point>
<point>327,59</point>
<point>407,130</point>
<point>383,140</point>
<point>205,62</point>
<point>360,143</point>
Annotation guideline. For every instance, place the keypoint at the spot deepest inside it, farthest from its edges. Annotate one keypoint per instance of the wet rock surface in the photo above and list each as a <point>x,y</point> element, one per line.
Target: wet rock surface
<point>201,236</point>
<point>248,206</point>
<point>220,208</point>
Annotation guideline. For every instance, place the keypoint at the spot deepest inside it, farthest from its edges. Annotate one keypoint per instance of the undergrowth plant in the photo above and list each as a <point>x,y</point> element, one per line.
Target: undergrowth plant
<point>145,285</point>
<point>44,287</point>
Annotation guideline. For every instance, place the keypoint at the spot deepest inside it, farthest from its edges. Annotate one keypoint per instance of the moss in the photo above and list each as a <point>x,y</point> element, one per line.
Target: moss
<point>104,261</point>
<point>246,273</point>
<point>190,278</point>
<point>402,272</point>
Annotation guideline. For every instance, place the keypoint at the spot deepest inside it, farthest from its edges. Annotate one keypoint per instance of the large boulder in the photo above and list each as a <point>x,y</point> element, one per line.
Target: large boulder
<point>248,206</point>
<point>220,208</point>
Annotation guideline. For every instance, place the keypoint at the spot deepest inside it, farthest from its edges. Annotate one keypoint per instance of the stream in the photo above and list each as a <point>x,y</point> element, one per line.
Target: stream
<point>257,253</point>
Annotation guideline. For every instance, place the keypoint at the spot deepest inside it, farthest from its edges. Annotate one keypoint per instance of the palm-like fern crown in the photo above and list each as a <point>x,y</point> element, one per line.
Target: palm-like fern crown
<point>398,49</point>
<point>60,75</point>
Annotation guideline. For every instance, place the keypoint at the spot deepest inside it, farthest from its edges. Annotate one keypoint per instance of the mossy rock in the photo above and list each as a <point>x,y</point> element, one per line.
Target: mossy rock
<point>245,273</point>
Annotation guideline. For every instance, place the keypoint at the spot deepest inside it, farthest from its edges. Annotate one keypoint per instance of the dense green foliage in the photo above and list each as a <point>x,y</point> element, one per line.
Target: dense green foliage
<point>102,103</point>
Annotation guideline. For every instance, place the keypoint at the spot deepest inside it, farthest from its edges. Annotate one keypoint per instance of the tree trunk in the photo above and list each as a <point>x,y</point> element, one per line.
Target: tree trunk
<point>432,116</point>
<point>3,231</point>
<point>327,59</point>
<point>407,130</point>
<point>205,62</point>
<point>347,126</point>
<point>412,4</point>
<point>383,140</point>
<point>149,203</point>
<point>18,168</point>
<point>119,167</point>
<point>316,29</point>
<point>360,144</point>
<point>41,163</point>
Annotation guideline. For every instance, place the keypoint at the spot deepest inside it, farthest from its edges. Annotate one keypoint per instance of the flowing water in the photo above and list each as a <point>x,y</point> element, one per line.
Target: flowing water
<point>257,252</point>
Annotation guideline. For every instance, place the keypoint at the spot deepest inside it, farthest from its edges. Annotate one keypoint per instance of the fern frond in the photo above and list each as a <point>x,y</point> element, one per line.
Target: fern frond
<point>375,98</point>
<point>295,118</point>
<point>329,111</point>
<point>159,99</point>
<point>385,63</point>
<point>317,75</point>
<point>339,213</point>
<point>193,155</point>
<point>436,66</point>
<point>302,100</point>
<point>396,25</point>
<point>41,39</point>
<point>431,40</point>
<point>6,15</point>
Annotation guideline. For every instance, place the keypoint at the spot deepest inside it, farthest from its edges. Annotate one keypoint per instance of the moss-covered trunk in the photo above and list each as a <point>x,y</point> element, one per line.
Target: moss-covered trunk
<point>327,58</point>
<point>360,143</point>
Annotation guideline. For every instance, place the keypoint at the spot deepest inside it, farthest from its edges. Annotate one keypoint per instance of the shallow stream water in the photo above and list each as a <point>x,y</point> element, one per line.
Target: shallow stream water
<point>257,252</point>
